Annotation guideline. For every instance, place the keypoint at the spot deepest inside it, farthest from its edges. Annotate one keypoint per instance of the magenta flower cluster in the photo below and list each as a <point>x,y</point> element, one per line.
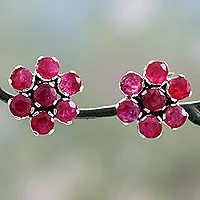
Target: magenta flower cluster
<point>153,99</point>
<point>44,95</point>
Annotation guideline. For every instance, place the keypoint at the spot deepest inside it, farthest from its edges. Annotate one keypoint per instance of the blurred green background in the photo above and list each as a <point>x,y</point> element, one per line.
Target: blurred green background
<point>99,159</point>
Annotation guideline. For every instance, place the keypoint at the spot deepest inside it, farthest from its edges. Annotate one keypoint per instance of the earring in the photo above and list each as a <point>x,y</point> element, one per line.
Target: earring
<point>150,100</point>
<point>44,95</point>
<point>153,99</point>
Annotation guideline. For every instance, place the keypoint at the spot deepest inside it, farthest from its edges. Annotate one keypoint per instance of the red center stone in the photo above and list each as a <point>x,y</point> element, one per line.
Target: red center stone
<point>156,72</point>
<point>66,111</point>
<point>154,100</point>
<point>150,127</point>
<point>42,124</point>
<point>131,83</point>
<point>21,78</point>
<point>45,95</point>
<point>47,67</point>
<point>70,83</point>
<point>21,106</point>
<point>128,111</point>
<point>179,88</point>
<point>175,116</point>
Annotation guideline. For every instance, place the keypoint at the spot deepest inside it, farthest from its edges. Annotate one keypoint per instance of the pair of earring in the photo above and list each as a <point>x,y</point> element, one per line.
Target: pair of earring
<point>45,96</point>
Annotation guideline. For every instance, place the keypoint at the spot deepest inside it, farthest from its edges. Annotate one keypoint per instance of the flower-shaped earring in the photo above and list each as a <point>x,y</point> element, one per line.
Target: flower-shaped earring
<point>153,99</point>
<point>44,95</point>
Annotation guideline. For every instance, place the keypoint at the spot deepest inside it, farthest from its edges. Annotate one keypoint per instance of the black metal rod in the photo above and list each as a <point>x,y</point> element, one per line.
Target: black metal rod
<point>93,113</point>
<point>192,108</point>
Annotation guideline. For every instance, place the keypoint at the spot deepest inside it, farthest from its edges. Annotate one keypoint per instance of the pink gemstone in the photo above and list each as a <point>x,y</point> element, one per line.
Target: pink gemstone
<point>131,83</point>
<point>21,78</point>
<point>21,106</point>
<point>42,124</point>
<point>66,111</point>
<point>45,95</point>
<point>70,83</point>
<point>154,100</point>
<point>47,67</point>
<point>179,88</point>
<point>175,116</point>
<point>128,111</point>
<point>156,72</point>
<point>150,127</point>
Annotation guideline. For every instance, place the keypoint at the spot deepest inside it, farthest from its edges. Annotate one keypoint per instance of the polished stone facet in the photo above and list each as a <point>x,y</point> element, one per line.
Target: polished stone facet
<point>47,67</point>
<point>156,72</point>
<point>21,78</point>
<point>131,83</point>
<point>45,95</point>
<point>66,111</point>
<point>70,83</point>
<point>21,106</point>
<point>175,116</point>
<point>179,88</point>
<point>42,123</point>
<point>128,111</point>
<point>154,100</point>
<point>150,127</point>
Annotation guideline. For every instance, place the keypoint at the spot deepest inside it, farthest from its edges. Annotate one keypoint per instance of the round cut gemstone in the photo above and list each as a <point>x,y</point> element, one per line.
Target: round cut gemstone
<point>66,111</point>
<point>154,100</point>
<point>21,78</point>
<point>45,95</point>
<point>70,83</point>
<point>179,88</point>
<point>42,123</point>
<point>128,111</point>
<point>131,83</point>
<point>175,116</point>
<point>21,106</point>
<point>156,72</point>
<point>150,127</point>
<point>47,67</point>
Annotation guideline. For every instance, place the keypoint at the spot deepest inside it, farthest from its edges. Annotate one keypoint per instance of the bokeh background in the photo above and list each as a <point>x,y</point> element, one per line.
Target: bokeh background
<point>99,159</point>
